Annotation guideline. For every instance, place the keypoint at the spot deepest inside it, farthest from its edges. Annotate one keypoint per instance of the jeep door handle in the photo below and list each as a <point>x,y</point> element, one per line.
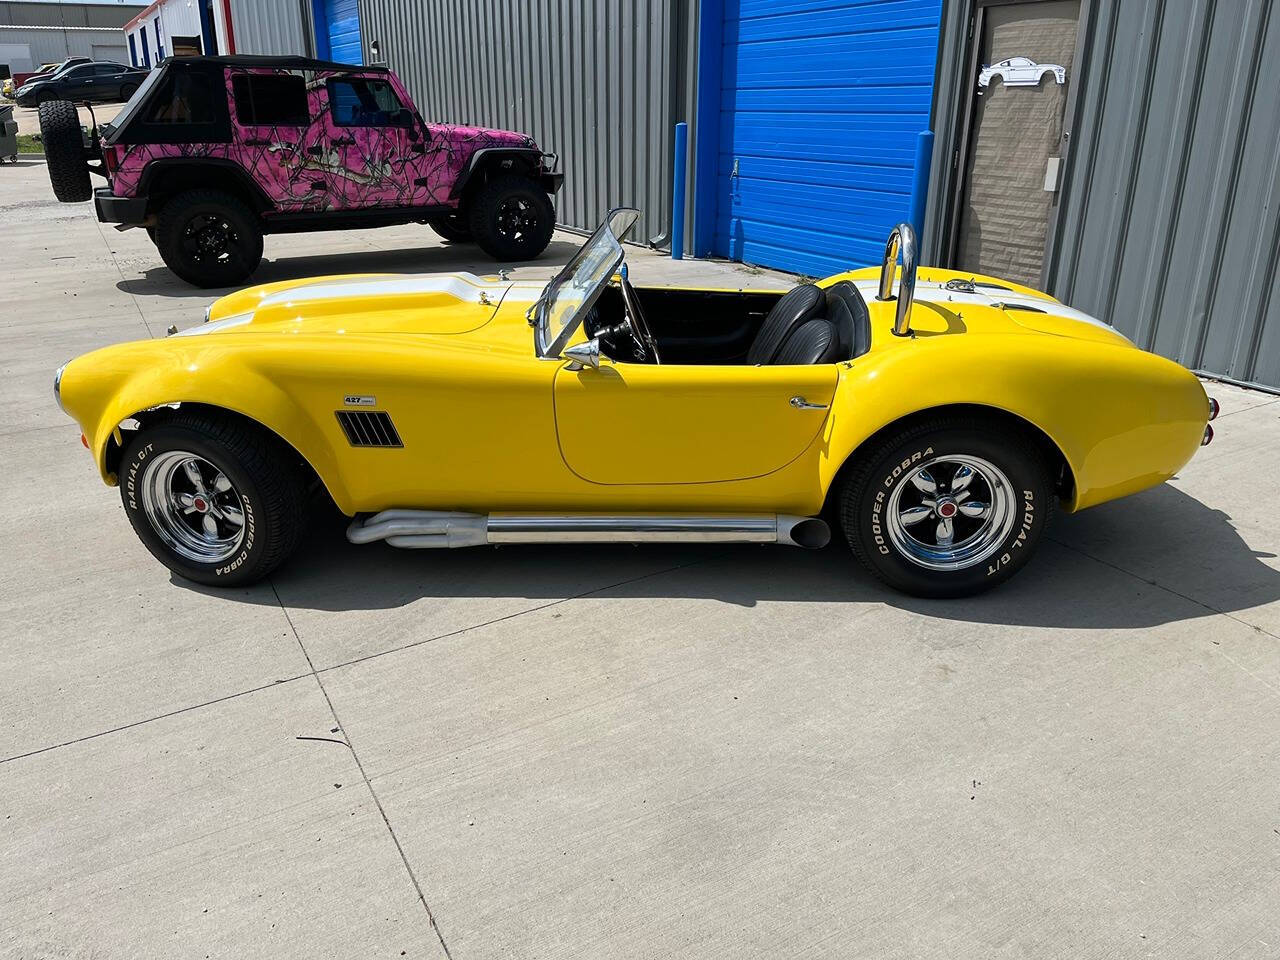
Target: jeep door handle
<point>800,403</point>
<point>345,142</point>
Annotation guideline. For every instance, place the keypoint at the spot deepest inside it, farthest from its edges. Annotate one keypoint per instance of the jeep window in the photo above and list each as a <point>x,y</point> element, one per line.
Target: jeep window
<point>179,102</point>
<point>271,100</point>
<point>187,97</point>
<point>364,102</point>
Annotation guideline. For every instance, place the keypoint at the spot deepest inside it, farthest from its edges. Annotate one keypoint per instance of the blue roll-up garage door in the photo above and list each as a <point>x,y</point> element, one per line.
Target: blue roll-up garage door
<point>821,102</point>
<point>343,21</point>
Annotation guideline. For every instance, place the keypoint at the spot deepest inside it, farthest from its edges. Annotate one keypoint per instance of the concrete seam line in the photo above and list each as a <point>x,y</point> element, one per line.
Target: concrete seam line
<point>132,296</point>
<point>159,716</point>
<point>509,616</point>
<point>365,776</point>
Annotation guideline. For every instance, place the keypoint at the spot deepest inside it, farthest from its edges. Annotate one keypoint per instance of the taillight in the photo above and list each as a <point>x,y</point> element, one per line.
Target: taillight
<point>109,160</point>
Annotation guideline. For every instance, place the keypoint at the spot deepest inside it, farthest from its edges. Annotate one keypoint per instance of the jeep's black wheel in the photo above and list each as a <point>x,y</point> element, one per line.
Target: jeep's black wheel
<point>215,500</point>
<point>64,151</point>
<point>454,227</point>
<point>127,92</point>
<point>512,218</point>
<point>949,507</point>
<point>209,238</point>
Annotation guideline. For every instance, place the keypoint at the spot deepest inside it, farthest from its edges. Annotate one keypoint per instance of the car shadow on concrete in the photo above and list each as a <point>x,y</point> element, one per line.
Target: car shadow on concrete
<point>445,258</point>
<point>1188,562</point>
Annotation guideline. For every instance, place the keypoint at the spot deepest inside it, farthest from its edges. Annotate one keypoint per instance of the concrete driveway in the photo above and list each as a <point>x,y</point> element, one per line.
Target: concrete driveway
<point>612,752</point>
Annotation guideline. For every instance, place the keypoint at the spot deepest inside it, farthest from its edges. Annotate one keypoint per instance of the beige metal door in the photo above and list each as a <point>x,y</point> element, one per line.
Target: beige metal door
<point>1025,63</point>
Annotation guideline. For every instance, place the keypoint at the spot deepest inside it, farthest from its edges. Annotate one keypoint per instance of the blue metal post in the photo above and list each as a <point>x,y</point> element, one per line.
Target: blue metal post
<point>678,177</point>
<point>920,180</point>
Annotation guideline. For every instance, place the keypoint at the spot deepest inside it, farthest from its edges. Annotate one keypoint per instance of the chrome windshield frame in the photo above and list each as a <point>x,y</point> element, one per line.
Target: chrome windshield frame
<point>617,223</point>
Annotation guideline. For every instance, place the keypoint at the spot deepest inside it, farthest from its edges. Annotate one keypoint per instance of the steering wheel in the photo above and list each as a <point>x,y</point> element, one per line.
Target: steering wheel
<point>639,327</point>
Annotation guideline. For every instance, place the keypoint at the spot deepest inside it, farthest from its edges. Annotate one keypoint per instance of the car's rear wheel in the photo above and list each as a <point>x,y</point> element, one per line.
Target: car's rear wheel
<point>948,507</point>
<point>209,238</point>
<point>127,92</point>
<point>64,152</point>
<point>454,227</point>
<point>215,500</point>
<point>512,218</point>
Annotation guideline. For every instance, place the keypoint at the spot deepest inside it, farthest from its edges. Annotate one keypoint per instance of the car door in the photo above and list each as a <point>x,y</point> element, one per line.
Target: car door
<point>78,83</point>
<point>272,126</point>
<point>673,424</point>
<point>365,157</point>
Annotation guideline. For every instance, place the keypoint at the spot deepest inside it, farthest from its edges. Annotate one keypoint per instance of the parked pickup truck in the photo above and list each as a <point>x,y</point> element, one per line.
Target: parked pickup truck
<point>212,153</point>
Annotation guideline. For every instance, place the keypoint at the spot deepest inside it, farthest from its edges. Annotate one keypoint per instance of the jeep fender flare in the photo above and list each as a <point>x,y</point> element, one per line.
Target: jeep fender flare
<point>157,169</point>
<point>502,158</point>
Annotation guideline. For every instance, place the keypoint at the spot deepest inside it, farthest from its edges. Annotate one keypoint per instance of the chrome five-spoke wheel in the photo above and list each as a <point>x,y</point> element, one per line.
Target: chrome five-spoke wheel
<point>193,507</point>
<point>949,506</point>
<point>951,512</point>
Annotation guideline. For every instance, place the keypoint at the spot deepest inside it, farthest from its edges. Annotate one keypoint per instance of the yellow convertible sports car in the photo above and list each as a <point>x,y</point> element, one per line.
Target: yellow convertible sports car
<point>938,425</point>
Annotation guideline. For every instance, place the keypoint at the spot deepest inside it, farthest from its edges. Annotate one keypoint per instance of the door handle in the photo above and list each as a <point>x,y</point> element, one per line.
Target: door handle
<point>800,403</point>
<point>345,142</point>
<point>318,186</point>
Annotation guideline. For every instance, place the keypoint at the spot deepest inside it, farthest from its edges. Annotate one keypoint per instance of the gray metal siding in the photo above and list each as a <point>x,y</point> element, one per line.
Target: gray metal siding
<point>271,27</point>
<point>1168,225</point>
<point>68,14</point>
<point>49,45</point>
<point>592,80</point>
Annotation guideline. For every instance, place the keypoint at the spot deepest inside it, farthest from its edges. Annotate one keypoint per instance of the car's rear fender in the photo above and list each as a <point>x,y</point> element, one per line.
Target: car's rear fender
<point>1120,419</point>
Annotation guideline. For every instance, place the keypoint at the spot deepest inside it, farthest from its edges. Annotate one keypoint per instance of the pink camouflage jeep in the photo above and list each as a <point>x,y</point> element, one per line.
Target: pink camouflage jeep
<point>213,152</point>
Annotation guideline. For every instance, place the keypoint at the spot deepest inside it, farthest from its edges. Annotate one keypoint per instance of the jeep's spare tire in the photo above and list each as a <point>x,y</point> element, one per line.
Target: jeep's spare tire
<point>64,152</point>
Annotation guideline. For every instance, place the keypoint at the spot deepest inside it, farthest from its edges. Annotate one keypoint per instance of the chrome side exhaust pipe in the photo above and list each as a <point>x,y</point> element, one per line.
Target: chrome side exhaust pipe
<point>431,529</point>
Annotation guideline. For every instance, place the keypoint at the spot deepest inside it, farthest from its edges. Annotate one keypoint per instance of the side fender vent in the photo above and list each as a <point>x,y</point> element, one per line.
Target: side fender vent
<point>369,428</point>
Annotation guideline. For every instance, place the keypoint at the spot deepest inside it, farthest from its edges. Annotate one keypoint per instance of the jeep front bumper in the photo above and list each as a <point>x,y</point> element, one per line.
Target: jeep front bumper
<point>113,209</point>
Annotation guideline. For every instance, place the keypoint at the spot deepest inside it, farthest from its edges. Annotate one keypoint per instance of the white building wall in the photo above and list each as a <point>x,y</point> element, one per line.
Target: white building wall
<point>177,18</point>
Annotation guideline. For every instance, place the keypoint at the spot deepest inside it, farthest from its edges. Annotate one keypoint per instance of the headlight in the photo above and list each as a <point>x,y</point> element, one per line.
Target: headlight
<point>57,386</point>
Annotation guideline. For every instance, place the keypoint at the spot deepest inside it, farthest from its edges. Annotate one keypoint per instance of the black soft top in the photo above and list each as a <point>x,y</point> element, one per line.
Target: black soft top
<point>279,63</point>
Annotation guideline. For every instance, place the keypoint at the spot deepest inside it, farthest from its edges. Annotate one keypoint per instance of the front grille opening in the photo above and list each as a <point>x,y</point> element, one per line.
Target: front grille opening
<point>369,428</point>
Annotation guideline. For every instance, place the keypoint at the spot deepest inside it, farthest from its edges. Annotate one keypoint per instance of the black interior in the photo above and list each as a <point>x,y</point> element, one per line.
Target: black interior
<point>807,325</point>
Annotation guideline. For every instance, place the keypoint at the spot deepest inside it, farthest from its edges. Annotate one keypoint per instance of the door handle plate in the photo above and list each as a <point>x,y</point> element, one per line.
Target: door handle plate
<point>800,403</point>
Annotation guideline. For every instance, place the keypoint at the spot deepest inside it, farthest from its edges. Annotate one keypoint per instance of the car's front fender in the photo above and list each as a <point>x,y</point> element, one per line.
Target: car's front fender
<point>100,390</point>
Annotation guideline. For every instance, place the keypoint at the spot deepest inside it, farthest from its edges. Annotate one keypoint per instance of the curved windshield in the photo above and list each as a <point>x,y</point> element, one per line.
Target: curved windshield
<point>571,293</point>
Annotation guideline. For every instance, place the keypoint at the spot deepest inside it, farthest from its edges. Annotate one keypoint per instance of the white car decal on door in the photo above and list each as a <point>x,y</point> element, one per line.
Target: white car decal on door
<point>1021,72</point>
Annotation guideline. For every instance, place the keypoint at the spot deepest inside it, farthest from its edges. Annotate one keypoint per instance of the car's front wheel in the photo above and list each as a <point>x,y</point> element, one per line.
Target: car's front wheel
<point>216,500</point>
<point>512,218</point>
<point>209,238</point>
<point>948,507</point>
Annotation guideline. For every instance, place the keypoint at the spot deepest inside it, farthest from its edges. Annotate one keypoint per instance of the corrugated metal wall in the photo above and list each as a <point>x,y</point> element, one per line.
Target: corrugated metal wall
<point>1169,220</point>
<point>601,82</point>
<point>68,14</point>
<point>270,27</point>
<point>52,44</point>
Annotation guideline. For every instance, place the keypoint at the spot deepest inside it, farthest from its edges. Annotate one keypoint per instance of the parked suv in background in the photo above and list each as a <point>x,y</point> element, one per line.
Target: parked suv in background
<point>98,82</point>
<point>213,152</point>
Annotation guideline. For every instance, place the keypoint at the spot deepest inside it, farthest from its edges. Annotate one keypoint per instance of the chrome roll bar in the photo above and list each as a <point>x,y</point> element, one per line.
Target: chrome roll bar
<point>903,237</point>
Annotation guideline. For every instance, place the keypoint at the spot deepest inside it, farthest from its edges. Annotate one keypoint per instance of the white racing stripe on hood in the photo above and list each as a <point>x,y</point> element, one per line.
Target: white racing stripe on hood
<point>466,287</point>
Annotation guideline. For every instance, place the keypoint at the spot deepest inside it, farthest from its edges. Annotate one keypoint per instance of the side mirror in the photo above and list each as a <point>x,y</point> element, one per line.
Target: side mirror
<point>582,355</point>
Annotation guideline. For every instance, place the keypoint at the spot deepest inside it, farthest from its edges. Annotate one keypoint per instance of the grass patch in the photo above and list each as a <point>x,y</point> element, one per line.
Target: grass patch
<point>30,143</point>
